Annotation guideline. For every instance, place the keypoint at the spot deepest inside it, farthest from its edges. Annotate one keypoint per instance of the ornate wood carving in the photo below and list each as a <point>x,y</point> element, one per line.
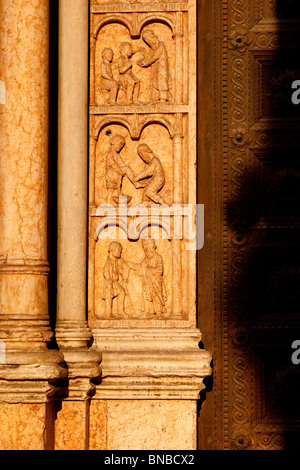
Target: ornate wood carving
<point>256,265</point>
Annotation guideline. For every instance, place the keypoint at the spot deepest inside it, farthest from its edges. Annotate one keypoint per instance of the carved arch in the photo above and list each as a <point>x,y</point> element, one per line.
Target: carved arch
<point>134,29</point>
<point>157,19</point>
<point>144,222</point>
<point>111,222</point>
<point>147,121</point>
<point>115,18</point>
<point>134,130</point>
<point>111,120</point>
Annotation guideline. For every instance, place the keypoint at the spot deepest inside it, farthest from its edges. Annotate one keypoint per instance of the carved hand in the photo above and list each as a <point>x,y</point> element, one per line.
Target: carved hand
<point>141,63</point>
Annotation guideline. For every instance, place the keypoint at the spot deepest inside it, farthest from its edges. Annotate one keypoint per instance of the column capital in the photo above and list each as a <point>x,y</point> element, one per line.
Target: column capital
<point>177,137</point>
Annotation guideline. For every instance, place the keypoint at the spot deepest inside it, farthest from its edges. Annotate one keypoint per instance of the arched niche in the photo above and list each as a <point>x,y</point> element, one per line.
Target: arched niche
<point>131,251</point>
<point>155,134</point>
<point>111,32</point>
<point>150,19</point>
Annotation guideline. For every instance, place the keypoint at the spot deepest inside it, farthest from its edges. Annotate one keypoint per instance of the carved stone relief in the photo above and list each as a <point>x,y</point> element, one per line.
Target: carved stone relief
<point>134,71</point>
<point>126,83</point>
<point>142,155</point>
<point>151,178</point>
<point>132,168</point>
<point>150,300</point>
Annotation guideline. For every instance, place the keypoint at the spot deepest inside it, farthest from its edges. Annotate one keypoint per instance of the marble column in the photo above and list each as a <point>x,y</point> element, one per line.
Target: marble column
<point>24,268</point>
<point>177,158</point>
<point>178,37</point>
<point>28,369</point>
<point>72,332</point>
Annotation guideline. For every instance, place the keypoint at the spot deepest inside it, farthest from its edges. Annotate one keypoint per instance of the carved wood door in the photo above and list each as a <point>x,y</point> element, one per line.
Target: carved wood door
<point>249,167</point>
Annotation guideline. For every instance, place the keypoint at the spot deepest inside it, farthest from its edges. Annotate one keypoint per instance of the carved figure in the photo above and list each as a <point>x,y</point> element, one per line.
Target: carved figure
<point>159,62</point>
<point>115,273</point>
<point>116,169</point>
<point>152,179</point>
<point>127,80</point>
<point>107,82</point>
<point>151,270</point>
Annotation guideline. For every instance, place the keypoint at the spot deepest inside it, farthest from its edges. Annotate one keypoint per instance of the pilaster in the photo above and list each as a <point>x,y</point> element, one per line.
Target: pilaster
<point>142,293</point>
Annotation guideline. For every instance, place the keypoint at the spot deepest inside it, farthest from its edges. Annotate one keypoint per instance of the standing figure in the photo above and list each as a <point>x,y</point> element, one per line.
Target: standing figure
<point>151,270</point>
<point>159,62</point>
<point>127,80</point>
<point>107,82</point>
<point>114,280</point>
<point>153,176</point>
<point>116,169</point>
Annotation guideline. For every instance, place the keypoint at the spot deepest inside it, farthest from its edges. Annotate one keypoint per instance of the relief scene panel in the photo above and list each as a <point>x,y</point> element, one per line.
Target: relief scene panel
<point>141,170</point>
<point>139,59</point>
<point>142,153</point>
<point>134,71</point>
<point>132,280</point>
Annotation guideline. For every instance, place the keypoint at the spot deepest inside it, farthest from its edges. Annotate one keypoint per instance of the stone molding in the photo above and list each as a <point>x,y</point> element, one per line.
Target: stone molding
<point>151,363</point>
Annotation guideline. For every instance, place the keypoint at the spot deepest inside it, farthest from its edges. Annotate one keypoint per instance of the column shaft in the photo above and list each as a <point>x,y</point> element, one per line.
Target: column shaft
<point>24,38</point>
<point>177,169</point>
<point>179,59</point>
<point>72,172</point>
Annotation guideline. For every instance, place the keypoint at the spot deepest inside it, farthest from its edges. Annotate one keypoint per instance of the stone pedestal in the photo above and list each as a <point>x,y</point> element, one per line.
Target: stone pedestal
<point>143,425</point>
<point>151,381</point>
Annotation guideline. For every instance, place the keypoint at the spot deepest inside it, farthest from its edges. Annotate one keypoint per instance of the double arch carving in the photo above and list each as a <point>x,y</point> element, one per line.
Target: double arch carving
<point>135,129</point>
<point>135,26</point>
<point>136,227</point>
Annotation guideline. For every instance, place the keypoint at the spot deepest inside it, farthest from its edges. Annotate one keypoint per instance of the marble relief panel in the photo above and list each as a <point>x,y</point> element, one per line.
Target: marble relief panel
<point>126,71</point>
<point>141,153</point>
<point>133,280</point>
<point>147,165</point>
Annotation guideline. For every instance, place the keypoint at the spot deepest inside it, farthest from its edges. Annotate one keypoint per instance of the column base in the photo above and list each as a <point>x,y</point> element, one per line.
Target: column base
<point>72,410</point>
<point>40,365</point>
<point>72,334</point>
<point>73,338</point>
<point>151,363</point>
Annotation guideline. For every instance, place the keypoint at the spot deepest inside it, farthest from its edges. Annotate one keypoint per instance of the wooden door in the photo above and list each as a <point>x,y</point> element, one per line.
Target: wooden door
<point>249,268</point>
